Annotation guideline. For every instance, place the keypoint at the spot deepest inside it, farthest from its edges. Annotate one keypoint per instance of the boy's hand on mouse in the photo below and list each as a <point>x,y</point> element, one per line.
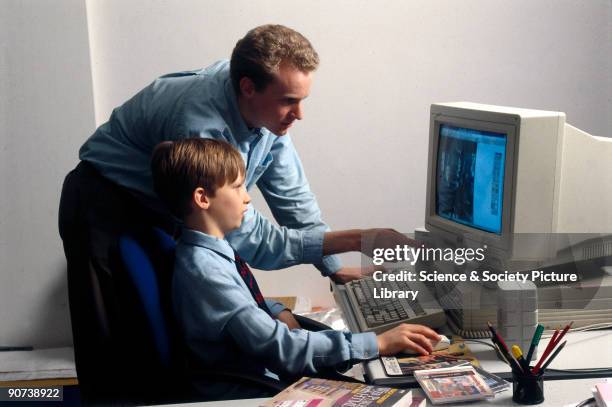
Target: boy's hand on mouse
<point>287,317</point>
<point>416,338</point>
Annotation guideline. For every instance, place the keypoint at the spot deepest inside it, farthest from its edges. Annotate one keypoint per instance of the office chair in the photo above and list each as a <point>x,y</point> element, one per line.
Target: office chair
<point>148,259</point>
<point>129,349</point>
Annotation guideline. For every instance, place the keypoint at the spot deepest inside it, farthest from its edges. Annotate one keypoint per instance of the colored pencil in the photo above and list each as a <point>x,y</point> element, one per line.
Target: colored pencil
<point>550,359</point>
<point>551,345</point>
<point>504,349</point>
<point>562,334</point>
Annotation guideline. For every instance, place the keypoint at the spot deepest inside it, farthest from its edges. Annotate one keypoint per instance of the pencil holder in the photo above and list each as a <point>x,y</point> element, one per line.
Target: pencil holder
<point>527,388</point>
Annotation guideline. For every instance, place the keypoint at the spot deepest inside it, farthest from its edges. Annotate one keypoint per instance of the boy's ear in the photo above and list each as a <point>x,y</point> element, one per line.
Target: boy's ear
<point>200,199</point>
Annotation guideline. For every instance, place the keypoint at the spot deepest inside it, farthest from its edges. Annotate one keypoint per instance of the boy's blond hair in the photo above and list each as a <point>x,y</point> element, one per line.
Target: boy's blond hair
<point>179,167</point>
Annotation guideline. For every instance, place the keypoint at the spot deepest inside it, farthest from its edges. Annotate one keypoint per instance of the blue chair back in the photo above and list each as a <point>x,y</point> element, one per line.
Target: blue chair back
<point>147,260</point>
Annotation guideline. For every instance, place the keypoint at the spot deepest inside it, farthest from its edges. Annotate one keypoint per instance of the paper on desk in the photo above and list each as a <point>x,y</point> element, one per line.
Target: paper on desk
<point>52,363</point>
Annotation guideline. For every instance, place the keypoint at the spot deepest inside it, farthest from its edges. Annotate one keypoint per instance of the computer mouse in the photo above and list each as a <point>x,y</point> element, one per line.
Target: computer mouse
<point>442,344</point>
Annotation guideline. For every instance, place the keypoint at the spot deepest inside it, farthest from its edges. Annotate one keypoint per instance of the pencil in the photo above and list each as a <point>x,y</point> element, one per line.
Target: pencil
<point>499,338</point>
<point>562,334</point>
<point>549,347</point>
<point>504,349</point>
<point>550,359</point>
<point>554,335</point>
<point>500,353</point>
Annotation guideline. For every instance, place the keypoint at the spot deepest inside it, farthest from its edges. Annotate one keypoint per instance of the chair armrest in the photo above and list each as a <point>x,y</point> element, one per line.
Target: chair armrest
<point>267,383</point>
<point>310,324</point>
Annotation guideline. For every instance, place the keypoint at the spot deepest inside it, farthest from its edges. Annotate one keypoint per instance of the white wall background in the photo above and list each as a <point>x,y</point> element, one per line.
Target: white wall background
<point>46,111</point>
<point>363,141</point>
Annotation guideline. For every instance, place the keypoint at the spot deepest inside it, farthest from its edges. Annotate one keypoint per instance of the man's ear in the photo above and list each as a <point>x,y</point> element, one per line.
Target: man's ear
<point>247,87</point>
<point>200,199</point>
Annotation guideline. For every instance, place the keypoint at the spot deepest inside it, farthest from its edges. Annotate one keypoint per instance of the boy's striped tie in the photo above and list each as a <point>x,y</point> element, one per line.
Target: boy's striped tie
<point>251,283</point>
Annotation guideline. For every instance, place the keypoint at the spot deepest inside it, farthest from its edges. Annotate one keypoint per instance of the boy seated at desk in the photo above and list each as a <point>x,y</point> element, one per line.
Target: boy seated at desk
<point>225,321</point>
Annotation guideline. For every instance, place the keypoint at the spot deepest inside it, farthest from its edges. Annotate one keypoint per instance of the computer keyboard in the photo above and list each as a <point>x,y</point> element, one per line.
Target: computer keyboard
<point>381,314</point>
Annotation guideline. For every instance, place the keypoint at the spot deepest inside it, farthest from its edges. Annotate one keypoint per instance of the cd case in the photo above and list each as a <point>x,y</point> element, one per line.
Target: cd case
<point>496,383</point>
<point>454,384</point>
<point>407,366</point>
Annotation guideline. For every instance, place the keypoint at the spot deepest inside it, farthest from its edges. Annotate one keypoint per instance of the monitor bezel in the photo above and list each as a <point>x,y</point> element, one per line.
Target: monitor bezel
<point>496,122</point>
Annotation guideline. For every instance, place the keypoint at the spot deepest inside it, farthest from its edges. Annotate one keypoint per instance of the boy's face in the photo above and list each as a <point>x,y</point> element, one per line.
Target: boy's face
<point>279,104</point>
<point>229,205</point>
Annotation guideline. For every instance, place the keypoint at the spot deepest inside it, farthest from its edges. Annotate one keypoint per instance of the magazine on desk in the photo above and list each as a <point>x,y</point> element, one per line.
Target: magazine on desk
<point>313,392</point>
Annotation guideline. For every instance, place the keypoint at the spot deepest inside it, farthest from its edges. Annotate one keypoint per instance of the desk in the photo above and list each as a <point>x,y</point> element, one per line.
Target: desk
<point>583,350</point>
<point>41,368</point>
<point>557,394</point>
<point>578,353</point>
<point>51,363</point>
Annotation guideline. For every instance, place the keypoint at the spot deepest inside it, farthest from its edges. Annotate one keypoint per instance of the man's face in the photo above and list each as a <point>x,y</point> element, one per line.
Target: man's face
<point>279,104</point>
<point>229,205</point>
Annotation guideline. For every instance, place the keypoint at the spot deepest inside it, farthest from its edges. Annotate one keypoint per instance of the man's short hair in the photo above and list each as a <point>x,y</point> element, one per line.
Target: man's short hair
<point>259,54</point>
<point>179,167</point>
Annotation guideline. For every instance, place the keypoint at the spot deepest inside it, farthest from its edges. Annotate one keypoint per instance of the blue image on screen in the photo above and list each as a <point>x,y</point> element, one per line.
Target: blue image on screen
<point>470,177</point>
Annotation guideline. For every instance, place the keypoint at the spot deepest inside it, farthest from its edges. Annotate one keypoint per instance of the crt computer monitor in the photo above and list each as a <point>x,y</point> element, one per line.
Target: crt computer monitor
<point>495,172</point>
<point>498,176</point>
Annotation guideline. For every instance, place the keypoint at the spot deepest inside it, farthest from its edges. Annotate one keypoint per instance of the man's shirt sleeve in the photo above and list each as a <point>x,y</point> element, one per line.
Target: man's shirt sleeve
<point>219,304</point>
<point>287,192</point>
<point>267,246</point>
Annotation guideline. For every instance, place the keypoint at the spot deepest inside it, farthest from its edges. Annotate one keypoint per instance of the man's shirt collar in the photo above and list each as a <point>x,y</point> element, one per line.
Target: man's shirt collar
<point>243,133</point>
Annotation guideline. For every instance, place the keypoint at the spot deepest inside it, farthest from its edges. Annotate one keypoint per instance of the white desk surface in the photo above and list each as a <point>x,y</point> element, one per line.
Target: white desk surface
<point>557,393</point>
<point>583,350</point>
<point>52,363</point>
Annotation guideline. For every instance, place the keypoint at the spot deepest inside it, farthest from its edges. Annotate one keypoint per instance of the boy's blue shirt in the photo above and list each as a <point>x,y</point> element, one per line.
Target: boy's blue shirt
<point>203,103</point>
<point>224,327</point>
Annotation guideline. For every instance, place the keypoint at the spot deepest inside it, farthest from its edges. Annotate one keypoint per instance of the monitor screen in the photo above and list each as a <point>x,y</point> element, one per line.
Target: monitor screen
<point>470,177</point>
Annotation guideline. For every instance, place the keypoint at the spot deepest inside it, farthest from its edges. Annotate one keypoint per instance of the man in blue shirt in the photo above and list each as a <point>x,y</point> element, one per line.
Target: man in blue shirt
<point>223,317</point>
<point>250,102</point>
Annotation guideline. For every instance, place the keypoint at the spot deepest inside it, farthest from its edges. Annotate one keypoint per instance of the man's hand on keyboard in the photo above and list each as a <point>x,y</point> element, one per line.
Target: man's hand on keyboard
<point>384,239</point>
<point>346,274</point>
<point>416,338</point>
